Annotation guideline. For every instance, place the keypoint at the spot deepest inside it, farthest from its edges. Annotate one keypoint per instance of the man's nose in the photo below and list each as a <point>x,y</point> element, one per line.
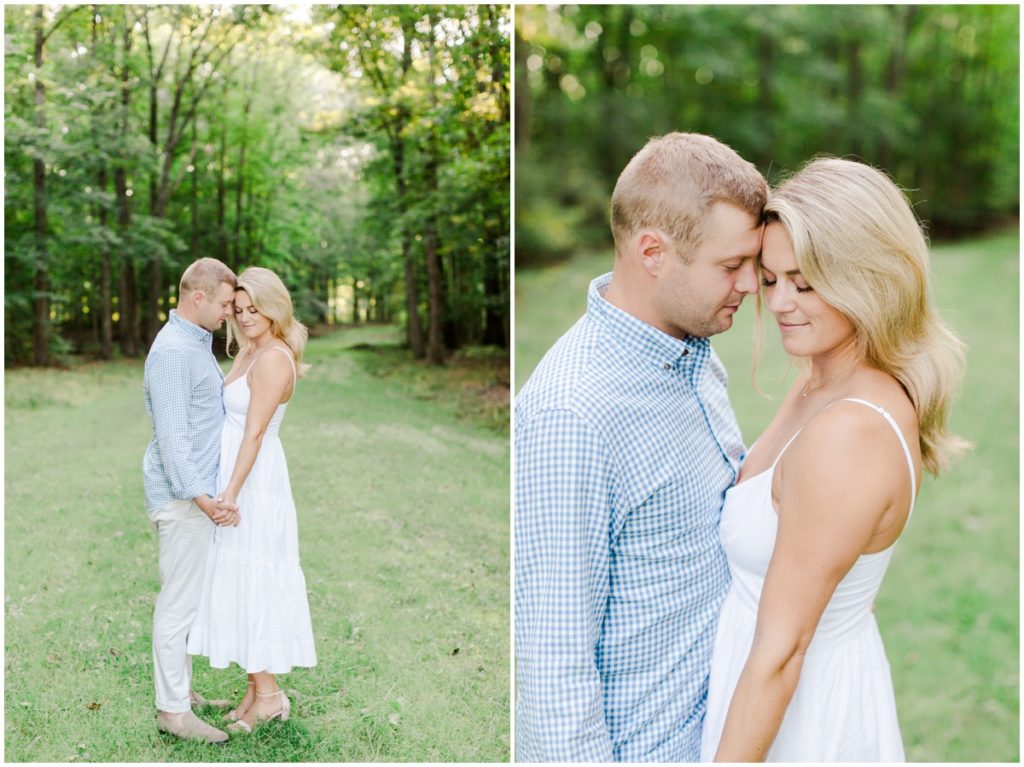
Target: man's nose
<point>746,280</point>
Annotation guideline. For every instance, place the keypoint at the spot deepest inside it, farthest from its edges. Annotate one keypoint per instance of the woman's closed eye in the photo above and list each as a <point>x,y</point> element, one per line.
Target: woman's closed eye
<point>765,282</point>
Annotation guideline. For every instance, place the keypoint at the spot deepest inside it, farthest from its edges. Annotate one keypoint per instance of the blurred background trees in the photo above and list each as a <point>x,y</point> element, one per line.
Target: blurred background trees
<point>361,153</point>
<point>929,93</point>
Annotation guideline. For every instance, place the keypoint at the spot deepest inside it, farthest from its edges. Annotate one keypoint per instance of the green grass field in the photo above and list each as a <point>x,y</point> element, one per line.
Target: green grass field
<point>949,609</point>
<point>400,475</point>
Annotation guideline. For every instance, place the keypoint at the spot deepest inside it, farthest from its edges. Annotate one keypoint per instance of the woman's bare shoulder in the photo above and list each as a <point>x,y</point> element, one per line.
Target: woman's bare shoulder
<point>850,448</point>
<point>272,363</point>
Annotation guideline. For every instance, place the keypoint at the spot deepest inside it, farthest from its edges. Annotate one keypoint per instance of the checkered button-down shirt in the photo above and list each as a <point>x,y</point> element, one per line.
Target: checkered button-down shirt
<point>625,444</point>
<point>183,387</point>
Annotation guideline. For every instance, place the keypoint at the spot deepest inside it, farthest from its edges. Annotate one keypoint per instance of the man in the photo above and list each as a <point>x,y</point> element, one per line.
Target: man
<point>625,446</point>
<point>183,385</point>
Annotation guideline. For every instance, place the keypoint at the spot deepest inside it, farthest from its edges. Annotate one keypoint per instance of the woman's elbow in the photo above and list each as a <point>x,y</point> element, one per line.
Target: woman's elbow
<point>254,436</point>
<point>779,659</point>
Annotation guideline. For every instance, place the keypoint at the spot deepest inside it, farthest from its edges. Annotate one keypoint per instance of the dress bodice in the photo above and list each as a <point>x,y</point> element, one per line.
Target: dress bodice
<point>236,401</point>
<point>748,529</point>
<point>236,405</point>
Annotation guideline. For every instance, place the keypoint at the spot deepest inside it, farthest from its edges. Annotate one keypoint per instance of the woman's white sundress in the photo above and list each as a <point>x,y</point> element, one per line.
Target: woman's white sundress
<point>254,609</point>
<point>843,708</point>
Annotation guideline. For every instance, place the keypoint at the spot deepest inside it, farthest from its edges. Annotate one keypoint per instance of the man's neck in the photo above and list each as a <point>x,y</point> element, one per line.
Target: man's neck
<point>623,294</point>
<point>190,320</point>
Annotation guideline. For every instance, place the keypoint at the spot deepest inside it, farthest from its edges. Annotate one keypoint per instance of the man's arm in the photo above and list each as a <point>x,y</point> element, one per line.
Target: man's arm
<point>562,561</point>
<point>170,393</point>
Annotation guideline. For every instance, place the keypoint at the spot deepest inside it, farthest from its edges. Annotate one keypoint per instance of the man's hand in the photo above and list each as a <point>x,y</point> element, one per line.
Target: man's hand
<point>222,512</point>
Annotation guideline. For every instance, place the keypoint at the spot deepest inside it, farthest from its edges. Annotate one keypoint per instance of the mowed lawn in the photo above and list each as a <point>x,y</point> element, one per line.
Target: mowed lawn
<point>949,608</point>
<point>404,533</point>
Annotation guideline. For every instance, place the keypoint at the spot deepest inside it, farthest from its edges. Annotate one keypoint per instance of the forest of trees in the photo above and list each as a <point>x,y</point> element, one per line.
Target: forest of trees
<point>929,93</point>
<point>362,152</point>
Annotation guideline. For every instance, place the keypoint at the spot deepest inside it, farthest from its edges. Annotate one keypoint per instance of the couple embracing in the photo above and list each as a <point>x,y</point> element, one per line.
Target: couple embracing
<point>219,497</point>
<point>680,597</point>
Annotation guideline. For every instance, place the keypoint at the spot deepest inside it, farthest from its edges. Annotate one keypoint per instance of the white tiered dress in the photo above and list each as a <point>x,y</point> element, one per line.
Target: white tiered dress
<point>253,609</point>
<point>844,708</point>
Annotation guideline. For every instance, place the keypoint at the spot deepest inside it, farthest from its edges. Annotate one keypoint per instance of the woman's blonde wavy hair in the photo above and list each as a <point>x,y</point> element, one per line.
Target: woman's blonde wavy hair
<point>271,299</point>
<point>859,245</point>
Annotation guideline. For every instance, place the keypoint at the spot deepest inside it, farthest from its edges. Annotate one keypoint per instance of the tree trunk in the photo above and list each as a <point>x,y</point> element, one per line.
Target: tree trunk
<point>414,328</point>
<point>106,328</point>
<point>895,72</point>
<point>222,230</point>
<point>435,274</point>
<point>854,97</point>
<point>194,244</point>
<point>154,267</point>
<point>41,282</point>
<point>765,101</point>
<point>240,186</point>
<point>524,102</point>
<point>128,328</point>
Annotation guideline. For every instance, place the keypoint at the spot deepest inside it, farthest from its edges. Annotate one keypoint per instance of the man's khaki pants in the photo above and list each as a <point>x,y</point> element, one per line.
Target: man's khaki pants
<point>184,532</point>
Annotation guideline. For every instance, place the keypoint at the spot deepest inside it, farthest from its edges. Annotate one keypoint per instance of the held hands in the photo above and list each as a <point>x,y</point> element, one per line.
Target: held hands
<point>226,501</point>
<point>222,511</point>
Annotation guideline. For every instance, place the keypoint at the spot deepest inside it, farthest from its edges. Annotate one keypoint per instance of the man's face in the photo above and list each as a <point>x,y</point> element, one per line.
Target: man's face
<point>213,310</point>
<point>699,298</point>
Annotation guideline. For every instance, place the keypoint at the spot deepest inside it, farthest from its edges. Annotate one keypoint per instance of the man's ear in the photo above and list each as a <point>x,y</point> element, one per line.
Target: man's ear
<point>652,248</point>
<point>196,297</point>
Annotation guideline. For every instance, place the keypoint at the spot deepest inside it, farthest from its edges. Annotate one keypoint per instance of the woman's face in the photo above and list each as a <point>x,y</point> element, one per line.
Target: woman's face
<point>251,323</point>
<point>809,326</point>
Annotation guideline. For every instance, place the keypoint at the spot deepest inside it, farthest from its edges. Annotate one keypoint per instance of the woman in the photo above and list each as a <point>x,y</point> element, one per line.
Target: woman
<point>799,672</point>
<point>254,609</point>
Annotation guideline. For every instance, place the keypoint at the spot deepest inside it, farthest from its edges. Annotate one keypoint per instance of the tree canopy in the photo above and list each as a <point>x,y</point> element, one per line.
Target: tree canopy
<point>928,93</point>
<point>360,152</point>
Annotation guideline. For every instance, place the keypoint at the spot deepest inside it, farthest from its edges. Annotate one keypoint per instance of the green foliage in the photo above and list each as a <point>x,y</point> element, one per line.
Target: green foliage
<point>929,93</point>
<point>248,135</point>
<point>435,108</point>
<point>948,609</point>
<point>402,496</point>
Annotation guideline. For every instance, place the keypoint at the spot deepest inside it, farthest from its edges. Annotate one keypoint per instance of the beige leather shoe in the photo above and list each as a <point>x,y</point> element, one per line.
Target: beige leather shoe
<point>189,726</point>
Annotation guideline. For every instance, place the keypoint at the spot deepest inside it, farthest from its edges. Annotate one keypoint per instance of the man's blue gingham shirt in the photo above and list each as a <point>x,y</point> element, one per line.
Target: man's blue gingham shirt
<point>183,388</point>
<point>625,444</point>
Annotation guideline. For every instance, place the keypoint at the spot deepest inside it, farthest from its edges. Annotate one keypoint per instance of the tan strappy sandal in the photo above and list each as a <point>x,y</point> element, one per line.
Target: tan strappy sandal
<point>282,713</point>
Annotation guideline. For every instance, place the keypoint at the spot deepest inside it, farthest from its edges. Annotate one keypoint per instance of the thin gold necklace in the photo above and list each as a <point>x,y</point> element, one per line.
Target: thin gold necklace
<point>813,385</point>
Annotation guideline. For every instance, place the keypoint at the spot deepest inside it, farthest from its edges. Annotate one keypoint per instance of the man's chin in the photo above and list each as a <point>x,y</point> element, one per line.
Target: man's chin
<point>723,324</point>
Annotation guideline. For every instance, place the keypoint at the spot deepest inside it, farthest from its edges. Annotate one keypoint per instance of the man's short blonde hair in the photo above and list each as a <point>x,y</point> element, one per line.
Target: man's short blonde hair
<point>674,180</point>
<point>205,275</point>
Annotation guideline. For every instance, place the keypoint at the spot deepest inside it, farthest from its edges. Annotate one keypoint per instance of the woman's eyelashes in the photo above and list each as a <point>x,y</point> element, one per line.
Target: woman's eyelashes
<point>767,283</point>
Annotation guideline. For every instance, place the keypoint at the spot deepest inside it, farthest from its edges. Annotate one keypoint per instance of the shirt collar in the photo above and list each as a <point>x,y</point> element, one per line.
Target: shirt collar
<point>655,346</point>
<point>190,328</point>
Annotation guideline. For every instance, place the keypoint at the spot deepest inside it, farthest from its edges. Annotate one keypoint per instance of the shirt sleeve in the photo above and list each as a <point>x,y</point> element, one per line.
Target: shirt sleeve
<point>562,521</point>
<point>170,394</point>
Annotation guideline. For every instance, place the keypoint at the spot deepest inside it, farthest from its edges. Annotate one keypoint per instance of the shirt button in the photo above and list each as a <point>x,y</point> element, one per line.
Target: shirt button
<point>685,352</point>
<point>668,366</point>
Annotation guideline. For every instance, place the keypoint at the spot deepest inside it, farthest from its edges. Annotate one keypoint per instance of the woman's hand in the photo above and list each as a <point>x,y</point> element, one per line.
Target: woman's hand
<point>227,498</point>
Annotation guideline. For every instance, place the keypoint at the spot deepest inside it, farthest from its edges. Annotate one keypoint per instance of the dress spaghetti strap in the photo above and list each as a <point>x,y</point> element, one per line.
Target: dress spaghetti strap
<point>291,359</point>
<point>899,433</point>
<point>892,422</point>
<point>286,352</point>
